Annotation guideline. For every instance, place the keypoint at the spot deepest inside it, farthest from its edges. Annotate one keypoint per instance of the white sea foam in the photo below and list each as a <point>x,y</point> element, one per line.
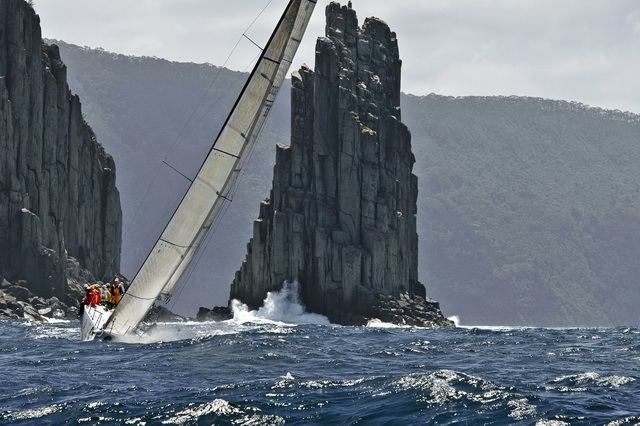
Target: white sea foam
<point>279,307</point>
<point>376,323</point>
<point>168,332</point>
<point>195,412</point>
<point>36,413</point>
<point>591,378</point>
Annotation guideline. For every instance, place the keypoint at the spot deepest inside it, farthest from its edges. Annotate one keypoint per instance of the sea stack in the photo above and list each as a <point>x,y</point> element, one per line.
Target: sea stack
<point>60,216</point>
<point>341,217</point>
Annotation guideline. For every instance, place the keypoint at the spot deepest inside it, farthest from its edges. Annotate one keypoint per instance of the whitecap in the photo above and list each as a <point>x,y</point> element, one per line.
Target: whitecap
<point>261,420</point>
<point>34,413</point>
<point>288,376</point>
<point>218,407</point>
<point>443,387</point>
<point>521,409</point>
<point>577,382</point>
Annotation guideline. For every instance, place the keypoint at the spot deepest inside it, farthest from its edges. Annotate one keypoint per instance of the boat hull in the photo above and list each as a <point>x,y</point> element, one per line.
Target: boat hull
<point>93,321</point>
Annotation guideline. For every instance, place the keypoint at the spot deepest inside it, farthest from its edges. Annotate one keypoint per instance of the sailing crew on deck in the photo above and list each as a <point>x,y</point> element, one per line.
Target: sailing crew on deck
<point>104,297</point>
<point>115,291</point>
<point>87,295</point>
<point>120,287</point>
<point>95,296</point>
<point>109,301</point>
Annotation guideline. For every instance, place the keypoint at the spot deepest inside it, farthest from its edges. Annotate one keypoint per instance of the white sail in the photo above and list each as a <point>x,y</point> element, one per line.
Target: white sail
<point>185,231</point>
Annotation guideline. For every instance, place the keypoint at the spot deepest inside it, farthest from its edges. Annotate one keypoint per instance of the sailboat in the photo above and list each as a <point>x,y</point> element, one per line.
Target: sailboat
<point>209,190</point>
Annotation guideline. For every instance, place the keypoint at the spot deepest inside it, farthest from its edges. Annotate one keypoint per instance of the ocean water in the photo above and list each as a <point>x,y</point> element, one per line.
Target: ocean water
<point>281,366</point>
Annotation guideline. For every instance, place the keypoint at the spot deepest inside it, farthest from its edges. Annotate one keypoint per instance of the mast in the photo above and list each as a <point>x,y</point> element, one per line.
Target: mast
<point>200,205</point>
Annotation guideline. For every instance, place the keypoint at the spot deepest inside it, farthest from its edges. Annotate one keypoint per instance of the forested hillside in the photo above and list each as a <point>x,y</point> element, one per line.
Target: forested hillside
<point>529,209</point>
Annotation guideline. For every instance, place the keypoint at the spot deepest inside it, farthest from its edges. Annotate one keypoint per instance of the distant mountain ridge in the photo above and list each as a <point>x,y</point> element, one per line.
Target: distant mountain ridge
<point>528,209</point>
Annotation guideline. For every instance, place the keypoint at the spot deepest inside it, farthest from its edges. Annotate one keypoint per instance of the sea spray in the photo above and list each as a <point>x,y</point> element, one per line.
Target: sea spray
<point>455,319</point>
<point>279,306</point>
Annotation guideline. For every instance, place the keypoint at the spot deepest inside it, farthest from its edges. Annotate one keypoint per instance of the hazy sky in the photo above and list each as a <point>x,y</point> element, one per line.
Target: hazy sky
<point>577,50</point>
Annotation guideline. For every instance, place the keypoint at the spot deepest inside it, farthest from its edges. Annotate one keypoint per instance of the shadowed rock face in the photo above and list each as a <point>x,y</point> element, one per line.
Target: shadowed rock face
<point>341,218</point>
<point>58,199</point>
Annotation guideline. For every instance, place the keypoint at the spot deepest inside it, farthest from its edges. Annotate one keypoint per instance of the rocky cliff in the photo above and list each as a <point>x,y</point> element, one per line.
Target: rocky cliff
<point>341,217</point>
<point>60,217</point>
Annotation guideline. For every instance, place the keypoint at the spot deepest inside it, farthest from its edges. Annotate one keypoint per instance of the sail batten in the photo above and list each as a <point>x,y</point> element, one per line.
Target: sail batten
<point>200,205</point>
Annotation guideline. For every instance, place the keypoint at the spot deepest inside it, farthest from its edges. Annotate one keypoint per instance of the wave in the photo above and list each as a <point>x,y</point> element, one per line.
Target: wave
<point>580,382</point>
<point>447,388</point>
<point>279,307</point>
<point>33,413</point>
<point>218,407</point>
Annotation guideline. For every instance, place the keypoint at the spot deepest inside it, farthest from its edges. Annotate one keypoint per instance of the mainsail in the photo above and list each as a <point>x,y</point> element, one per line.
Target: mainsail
<point>184,233</point>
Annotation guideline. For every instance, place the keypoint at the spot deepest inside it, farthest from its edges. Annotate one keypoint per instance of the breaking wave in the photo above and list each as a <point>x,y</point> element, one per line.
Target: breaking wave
<point>282,306</point>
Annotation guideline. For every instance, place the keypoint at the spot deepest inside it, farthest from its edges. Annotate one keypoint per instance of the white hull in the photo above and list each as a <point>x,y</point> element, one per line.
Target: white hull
<point>93,321</point>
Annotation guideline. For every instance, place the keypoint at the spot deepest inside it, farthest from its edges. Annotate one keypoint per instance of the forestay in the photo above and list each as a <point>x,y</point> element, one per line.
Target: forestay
<point>194,216</point>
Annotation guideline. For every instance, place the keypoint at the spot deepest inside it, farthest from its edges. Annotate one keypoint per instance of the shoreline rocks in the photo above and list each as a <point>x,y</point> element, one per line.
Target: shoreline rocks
<point>17,301</point>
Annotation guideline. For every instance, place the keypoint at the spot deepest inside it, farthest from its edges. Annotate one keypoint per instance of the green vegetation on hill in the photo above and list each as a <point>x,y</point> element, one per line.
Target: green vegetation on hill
<point>529,209</point>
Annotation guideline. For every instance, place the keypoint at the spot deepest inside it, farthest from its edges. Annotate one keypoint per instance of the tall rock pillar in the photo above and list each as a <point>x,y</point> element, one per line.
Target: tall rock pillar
<point>60,217</point>
<point>341,217</point>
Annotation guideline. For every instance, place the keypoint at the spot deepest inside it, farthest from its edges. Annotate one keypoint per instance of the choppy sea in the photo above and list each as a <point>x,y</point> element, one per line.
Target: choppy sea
<point>268,368</point>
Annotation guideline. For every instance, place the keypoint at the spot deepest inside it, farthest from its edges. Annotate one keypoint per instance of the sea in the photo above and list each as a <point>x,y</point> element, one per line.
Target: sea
<point>281,366</point>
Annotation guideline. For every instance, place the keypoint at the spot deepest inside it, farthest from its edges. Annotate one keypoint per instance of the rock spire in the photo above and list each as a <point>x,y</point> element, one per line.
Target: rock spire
<point>60,214</point>
<point>341,217</point>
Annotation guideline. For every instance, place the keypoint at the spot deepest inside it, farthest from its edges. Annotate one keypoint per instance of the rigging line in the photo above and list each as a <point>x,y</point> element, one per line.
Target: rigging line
<point>126,232</point>
<point>209,236</point>
<point>216,78</point>
<point>177,171</point>
<point>191,269</point>
<point>254,43</point>
<point>212,231</point>
<point>156,230</point>
<point>240,170</point>
<point>206,113</point>
<point>200,252</point>
<point>180,135</point>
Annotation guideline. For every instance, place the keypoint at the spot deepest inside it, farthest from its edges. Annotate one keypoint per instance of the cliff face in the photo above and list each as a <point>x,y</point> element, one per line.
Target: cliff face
<point>341,218</point>
<point>58,199</point>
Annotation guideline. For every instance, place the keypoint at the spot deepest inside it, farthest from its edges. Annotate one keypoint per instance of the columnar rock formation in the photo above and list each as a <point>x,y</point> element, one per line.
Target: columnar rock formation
<point>341,218</point>
<point>58,199</point>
